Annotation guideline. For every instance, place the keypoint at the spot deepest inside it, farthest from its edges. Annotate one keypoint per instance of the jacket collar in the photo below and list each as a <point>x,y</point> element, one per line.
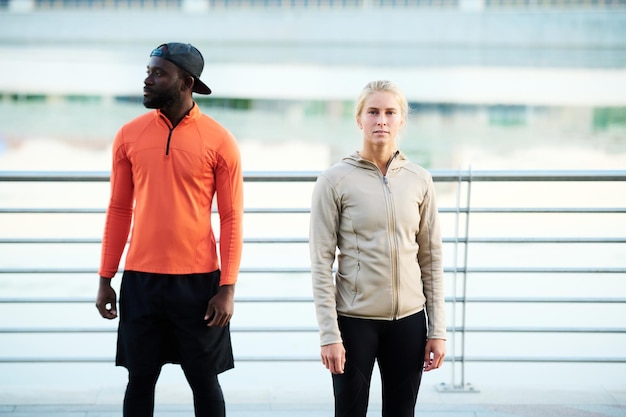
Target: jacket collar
<point>193,113</point>
<point>398,160</point>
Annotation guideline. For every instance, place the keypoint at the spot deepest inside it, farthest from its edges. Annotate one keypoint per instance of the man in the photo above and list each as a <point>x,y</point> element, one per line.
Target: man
<point>176,294</point>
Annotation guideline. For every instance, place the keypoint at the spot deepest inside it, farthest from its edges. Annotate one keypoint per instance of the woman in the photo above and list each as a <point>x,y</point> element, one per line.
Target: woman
<point>386,301</point>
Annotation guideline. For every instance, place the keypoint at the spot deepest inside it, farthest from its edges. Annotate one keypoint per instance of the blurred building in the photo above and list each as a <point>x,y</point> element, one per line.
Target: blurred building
<point>534,52</point>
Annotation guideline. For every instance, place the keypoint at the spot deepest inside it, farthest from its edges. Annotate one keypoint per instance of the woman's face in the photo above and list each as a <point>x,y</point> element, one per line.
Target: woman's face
<point>380,119</point>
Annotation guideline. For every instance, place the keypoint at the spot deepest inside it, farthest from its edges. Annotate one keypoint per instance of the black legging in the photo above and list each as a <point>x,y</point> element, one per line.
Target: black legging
<point>208,399</point>
<point>399,347</point>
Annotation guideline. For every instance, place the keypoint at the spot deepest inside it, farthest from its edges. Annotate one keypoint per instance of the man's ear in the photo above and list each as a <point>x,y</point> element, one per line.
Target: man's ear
<point>188,82</point>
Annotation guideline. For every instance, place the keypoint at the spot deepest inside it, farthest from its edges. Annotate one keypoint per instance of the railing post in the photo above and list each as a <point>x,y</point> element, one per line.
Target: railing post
<point>468,204</point>
<point>457,215</point>
<point>463,386</point>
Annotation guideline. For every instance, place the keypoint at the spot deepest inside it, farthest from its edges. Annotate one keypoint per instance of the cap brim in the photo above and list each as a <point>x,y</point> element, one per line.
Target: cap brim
<point>200,87</point>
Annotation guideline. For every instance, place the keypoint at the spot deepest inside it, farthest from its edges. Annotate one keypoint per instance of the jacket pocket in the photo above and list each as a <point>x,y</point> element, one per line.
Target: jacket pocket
<point>347,283</point>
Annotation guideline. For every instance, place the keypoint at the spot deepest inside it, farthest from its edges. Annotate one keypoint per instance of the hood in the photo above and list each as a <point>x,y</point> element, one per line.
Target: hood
<point>398,160</point>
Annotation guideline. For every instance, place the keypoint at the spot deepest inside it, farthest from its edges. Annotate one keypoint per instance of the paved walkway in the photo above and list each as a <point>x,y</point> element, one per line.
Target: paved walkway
<point>488,402</point>
<point>460,410</point>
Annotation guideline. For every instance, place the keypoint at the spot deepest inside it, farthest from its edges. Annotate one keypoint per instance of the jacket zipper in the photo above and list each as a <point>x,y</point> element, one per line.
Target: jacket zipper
<point>171,127</point>
<point>394,252</point>
<point>394,244</point>
<point>169,138</point>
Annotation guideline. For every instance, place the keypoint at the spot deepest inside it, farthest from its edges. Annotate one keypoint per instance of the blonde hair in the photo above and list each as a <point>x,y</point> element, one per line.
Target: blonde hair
<point>383,86</point>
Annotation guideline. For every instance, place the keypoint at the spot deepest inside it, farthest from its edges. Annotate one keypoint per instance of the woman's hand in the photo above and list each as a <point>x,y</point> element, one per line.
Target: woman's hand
<point>334,357</point>
<point>435,352</point>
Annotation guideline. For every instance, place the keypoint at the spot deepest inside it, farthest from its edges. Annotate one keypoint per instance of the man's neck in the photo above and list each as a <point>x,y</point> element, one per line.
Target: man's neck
<point>177,113</point>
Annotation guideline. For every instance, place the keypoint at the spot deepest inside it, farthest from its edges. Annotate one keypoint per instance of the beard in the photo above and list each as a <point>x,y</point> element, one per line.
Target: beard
<point>162,99</point>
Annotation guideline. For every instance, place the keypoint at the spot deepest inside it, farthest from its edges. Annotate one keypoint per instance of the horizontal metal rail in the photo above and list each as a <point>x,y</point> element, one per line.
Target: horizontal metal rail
<point>305,270</point>
<point>316,358</point>
<point>303,240</point>
<point>291,299</point>
<point>490,210</point>
<point>301,329</point>
<point>311,176</point>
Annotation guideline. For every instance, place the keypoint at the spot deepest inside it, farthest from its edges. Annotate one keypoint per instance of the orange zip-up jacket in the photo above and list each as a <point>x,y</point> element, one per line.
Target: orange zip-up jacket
<point>170,176</point>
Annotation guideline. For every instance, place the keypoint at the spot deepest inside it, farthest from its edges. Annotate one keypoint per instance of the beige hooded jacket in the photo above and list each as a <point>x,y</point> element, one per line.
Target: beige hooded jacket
<point>386,228</point>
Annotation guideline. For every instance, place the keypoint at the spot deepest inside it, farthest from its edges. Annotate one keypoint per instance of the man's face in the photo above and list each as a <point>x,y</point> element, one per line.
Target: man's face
<point>162,85</point>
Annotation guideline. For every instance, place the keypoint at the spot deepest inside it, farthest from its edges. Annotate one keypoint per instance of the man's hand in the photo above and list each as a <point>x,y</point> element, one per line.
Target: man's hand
<point>106,300</point>
<point>221,307</point>
<point>334,357</point>
<point>435,352</point>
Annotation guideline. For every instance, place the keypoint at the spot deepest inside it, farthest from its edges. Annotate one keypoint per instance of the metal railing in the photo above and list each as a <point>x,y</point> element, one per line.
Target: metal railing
<point>490,233</point>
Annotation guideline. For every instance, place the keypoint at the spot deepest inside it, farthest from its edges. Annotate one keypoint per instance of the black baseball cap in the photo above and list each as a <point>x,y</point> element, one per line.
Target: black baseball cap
<point>187,57</point>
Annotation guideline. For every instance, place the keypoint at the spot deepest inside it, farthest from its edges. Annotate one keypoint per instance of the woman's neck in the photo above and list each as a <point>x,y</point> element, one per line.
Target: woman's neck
<point>380,158</point>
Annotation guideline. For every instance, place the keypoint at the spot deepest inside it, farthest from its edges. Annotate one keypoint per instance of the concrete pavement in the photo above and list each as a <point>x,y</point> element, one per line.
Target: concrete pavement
<point>489,401</point>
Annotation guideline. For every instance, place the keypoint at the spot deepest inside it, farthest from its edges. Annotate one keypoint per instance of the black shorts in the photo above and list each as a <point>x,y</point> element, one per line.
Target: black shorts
<point>162,321</point>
